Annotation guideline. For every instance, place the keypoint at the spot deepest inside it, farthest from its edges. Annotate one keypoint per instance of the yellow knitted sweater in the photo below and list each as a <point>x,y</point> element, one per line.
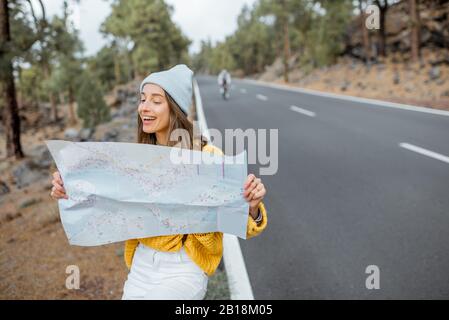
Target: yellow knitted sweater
<point>205,249</point>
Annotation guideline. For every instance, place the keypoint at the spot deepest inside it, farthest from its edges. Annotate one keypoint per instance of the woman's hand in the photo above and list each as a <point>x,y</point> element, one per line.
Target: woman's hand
<point>58,191</point>
<point>254,191</point>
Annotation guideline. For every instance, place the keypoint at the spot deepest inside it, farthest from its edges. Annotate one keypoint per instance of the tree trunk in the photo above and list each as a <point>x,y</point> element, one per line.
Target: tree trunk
<point>286,50</point>
<point>382,32</point>
<point>366,42</point>
<point>415,42</point>
<point>72,107</point>
<point>19,94</point>
<point>117,72</point>
<point>382,36</point>
<point>10,110</point>
<point>131,74</point>
<point>54,108</point>
<point>47,74</point>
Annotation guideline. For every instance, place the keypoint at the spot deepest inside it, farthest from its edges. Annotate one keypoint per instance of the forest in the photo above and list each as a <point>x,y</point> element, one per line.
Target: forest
<point>43,65</point>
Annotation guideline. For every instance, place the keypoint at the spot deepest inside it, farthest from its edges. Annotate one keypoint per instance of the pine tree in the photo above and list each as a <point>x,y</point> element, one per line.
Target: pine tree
<point>91,105</point>
<point>146,34</point>
<point>10,109</point>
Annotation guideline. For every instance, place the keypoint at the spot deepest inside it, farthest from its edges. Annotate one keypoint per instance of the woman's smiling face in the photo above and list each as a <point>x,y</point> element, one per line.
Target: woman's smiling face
<point>154,111</point>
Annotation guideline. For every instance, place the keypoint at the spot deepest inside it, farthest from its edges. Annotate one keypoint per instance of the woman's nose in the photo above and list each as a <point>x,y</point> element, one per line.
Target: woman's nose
<point>145,106</point>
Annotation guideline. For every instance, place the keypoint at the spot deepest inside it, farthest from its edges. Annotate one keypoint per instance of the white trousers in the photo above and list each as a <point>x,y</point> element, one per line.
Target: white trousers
<point>157,275</point>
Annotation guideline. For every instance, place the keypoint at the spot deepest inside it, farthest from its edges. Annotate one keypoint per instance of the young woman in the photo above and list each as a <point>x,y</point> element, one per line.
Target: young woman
<point>175,266</point>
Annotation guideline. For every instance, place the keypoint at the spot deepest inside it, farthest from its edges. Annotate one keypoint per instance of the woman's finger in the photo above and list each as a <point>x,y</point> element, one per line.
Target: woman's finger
<point>253,186</point>
<point>57,177</point>
<point>55,190</point>
<point>255,183</point>
<point>248,191</point>
<point>250,196</point>
<point>257,193</point>
<point>249,179</point>
<point>54,194</point>
<point>59,195</point>
<point>59,187</point>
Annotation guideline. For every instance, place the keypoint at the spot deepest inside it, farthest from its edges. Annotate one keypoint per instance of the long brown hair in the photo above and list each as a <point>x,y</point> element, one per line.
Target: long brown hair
<point>178,120</point>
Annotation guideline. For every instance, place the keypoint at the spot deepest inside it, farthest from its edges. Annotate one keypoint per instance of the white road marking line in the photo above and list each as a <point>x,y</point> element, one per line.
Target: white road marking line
<point>238,280</point>
<point>380,103</point>
<point>200,111</point>
<point>243,90</point>
<point>425,152</point>
<point>261,97</point>
<point>303,111</point>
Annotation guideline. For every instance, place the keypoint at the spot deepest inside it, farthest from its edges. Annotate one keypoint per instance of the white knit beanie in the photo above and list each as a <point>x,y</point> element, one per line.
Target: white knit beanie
<point>177,82</point>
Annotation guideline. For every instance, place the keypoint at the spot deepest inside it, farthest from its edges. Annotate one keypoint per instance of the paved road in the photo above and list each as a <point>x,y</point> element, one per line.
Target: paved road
<point>345,196</point>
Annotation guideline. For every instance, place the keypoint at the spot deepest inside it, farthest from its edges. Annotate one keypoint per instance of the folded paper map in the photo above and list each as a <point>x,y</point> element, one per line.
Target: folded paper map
<point>119,191</point>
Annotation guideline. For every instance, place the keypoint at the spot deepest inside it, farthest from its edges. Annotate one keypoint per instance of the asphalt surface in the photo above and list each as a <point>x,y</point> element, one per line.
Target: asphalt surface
<point>345,196</point>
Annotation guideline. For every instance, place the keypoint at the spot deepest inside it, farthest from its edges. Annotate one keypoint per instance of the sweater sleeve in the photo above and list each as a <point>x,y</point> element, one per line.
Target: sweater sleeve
<point>254,228</point>
<point>130,248</point>
<point>207,240</point>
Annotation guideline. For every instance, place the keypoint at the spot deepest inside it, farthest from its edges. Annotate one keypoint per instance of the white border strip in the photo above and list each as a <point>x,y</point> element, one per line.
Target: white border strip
<point>425,152</point>
<point>238,280</point>
<point>303,111</point>
<point>349,98</point>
